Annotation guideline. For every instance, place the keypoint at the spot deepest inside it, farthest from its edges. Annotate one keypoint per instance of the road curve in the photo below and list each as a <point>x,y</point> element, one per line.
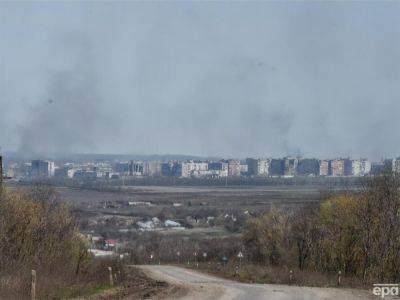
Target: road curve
<point>203,286</point>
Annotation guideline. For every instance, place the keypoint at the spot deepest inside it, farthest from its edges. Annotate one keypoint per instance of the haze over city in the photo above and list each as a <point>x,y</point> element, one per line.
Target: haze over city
<point>239,150</point>
<point>210,79</point>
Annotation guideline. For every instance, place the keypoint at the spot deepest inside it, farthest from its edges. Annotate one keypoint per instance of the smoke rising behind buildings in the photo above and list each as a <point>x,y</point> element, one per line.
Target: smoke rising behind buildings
<point>210,79</point>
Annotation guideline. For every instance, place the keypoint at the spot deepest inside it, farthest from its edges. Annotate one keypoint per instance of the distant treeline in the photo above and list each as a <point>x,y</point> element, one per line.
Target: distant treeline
<point>355,233</point>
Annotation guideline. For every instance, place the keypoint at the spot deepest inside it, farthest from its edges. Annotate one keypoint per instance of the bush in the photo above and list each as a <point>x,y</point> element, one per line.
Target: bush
<point>38,232</point>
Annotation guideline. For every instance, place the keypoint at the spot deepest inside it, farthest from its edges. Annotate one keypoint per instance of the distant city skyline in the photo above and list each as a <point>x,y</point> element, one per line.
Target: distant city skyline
<point>192,168</point>
<point>168,156</point>
<point>220,79</point>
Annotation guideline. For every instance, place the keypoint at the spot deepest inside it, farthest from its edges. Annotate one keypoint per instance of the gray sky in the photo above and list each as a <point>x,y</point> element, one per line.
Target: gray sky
<point>202,78</point>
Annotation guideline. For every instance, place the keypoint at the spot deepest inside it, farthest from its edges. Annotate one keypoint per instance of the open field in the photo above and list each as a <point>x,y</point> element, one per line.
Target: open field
<point>247,197</point>
<point>207,211</point>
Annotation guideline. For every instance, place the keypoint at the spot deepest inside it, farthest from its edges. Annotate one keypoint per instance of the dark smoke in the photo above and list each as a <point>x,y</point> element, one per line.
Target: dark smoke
<point>71,116</point>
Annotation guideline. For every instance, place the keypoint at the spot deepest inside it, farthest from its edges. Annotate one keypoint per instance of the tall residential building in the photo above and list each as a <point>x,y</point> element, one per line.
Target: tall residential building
<point>220,168</point>
<point>377,168</point>
<point>356,167</point>
<point>263,167</point>
<point>244,168</point>
<point>308,166</point>
<point>361,167</point>
<point>324,169</point>
<point>193,169</point>
<point>337,167</point>
<point>233,167</point>
<point>277,167</point>
<point>290,166</point>
<point>341,167</point>
<point>396,165</point>
<point>42,168</point>
<point>167,169</point>
<point>252,166</point>
<point>122,168</point>
<point>152,168</point>
<point>366,166</point>
<point>135,168</point>
<point>257,167</point>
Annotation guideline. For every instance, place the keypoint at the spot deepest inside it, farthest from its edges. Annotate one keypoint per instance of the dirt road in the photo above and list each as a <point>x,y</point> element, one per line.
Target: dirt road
<point>203,286</point>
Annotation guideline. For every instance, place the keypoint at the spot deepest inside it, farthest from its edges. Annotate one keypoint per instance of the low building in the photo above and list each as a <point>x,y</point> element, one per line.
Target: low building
<point>170,223</point>
<point>83,174</point>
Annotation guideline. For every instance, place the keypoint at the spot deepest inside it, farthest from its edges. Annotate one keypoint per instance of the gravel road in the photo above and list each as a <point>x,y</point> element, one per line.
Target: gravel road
<point>202,286</point>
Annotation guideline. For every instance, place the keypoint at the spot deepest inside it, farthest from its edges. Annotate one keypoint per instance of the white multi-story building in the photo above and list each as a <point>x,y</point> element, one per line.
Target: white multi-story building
<point>258,167</point>
<point>366,166</point>
<point>337,167</point>
<point>396,165</point>
<point>192,168</point>
<point>263,167</point>
<point>152,168</point>
<point>323,168</point>
<point>357,167</point>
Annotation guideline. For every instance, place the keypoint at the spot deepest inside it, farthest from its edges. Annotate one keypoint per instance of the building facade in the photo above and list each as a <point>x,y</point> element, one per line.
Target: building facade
<point>233,168</point>
<point>42,168</point>
<point>290,167</point>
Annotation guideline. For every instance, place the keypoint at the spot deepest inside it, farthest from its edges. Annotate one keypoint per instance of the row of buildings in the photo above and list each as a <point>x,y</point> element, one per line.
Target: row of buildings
<point>253,167</point>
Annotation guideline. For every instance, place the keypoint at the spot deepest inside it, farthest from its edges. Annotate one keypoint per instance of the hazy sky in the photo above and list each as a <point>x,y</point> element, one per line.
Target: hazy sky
<point>204,78</point>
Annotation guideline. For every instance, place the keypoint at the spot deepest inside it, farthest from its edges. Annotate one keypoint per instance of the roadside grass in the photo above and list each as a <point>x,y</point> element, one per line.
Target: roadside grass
<point>16,284</point>
<point>77,291</point>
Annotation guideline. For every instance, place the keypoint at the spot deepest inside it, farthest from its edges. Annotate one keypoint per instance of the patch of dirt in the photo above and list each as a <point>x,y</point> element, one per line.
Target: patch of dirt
<point>140,286</point>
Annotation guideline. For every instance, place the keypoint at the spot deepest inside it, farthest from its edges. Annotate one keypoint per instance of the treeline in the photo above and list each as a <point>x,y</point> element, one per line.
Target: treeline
<point>154,248</point>
<point>37,232</point>
<point>355,233</point>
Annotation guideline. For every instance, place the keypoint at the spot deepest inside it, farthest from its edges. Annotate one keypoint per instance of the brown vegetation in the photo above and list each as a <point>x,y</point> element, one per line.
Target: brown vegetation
<point>355,233</point>
<point>37,232</point>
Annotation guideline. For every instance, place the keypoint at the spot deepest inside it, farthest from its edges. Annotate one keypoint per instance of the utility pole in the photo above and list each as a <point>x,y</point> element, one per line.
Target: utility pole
<point>33,285</point>
<point>1,170</point>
